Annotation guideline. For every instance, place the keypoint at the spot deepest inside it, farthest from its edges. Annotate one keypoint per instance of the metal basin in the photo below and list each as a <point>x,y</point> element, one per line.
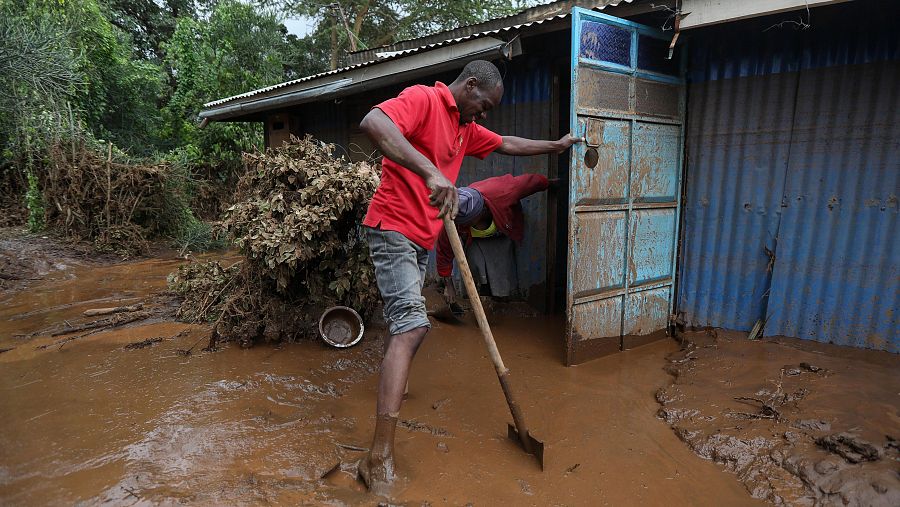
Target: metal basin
<point>340,326</point>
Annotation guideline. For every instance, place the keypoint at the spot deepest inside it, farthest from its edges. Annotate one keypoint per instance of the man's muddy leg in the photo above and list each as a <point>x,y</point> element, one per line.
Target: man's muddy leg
<point>377,469</point>
<point>384,349</point>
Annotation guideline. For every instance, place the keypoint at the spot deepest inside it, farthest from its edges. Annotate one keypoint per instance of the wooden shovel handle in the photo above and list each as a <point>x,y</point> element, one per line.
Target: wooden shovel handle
<point>502,371</point>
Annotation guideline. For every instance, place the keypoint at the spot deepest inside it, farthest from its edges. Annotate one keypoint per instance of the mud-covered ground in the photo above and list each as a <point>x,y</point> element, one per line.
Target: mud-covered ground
<point>139,414</point>
<point>799,422</point>
<point>26,258</point>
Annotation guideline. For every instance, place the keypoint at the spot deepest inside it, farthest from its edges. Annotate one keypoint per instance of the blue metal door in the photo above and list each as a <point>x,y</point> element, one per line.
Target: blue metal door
<point>624,185</point>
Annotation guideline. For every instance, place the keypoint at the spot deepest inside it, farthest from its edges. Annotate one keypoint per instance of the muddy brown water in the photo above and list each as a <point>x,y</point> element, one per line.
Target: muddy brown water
<point>95,423</point>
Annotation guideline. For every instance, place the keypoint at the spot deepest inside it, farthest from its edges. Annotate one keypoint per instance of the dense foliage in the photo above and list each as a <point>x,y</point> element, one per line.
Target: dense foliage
<point>128,77</point>
<point>297,223</point>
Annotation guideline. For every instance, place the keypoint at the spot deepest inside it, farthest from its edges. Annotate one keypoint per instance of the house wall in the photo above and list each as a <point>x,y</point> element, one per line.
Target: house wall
<point>793,177</point>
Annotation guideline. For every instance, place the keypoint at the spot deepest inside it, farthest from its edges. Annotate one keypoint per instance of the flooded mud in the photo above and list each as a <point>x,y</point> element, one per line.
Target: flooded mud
<point>125,416</point>
<point>798,422</point>
<point>26,258</point>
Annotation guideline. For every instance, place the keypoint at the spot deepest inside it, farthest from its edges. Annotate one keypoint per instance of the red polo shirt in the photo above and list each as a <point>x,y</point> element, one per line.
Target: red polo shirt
<point>428,118</point>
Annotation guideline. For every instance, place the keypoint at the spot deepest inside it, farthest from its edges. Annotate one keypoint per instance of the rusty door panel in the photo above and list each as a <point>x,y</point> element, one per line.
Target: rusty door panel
<point>624,185</point>
<point>598,247</point>
<point>595,328</point>
<point>657,99</point>
<point>602,91</point>
<point>656,155</point>
<point>607,181</point>
<point>651,245</point>
<point>646,311</point>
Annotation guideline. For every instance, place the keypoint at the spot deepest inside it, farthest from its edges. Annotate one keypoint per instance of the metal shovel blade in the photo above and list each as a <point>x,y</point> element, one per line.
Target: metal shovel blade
<point>537,447</point>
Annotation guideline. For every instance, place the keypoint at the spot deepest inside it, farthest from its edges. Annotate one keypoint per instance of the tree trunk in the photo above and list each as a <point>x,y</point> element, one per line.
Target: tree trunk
<point>334,48</point>
<point>360,17</point>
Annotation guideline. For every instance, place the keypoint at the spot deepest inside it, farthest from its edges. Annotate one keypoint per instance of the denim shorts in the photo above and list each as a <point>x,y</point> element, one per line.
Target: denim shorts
<point>400,272</point>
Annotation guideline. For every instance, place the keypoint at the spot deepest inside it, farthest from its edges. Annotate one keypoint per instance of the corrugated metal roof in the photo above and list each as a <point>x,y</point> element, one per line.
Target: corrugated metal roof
<point>394,55</point>
<point>541,11</point>
<point>400,54</point>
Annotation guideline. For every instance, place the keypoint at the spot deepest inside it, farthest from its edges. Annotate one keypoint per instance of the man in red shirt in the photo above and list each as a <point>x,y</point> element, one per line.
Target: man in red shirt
<point>423,133</point>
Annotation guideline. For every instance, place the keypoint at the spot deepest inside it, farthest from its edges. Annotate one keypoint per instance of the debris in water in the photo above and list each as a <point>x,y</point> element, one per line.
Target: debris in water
<point>766,411</point>
<point>440,403</point>
<point>423,428</point>
<point>573,468</point>
<point>107,323</point>
<point>813,424</point>
<point>811,368</point>
<point>525,487</point>
<point>96,312</point>
<point>350,447</point>
<point>443,447</point>
<point>143,343</point>
<point>330,470</point>
<point>849,447</point>
<point>809,438</point>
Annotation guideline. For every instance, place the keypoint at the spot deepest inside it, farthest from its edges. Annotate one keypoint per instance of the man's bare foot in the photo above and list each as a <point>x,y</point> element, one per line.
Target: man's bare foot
<point>377,474</point>
<point>377,469</point>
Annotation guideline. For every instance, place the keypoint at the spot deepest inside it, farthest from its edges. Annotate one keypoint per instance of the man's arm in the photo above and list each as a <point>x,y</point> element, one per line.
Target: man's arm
<point>521,146</point>
<point>390,141</point>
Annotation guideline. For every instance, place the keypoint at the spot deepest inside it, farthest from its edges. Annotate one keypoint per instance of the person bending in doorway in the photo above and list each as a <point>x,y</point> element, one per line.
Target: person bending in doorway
<point>423,133</point>
<point>490,221</point>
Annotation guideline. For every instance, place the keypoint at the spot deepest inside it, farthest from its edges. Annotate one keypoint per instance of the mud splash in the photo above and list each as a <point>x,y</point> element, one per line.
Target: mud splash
<point>125,417</point>
<point>799,422</point>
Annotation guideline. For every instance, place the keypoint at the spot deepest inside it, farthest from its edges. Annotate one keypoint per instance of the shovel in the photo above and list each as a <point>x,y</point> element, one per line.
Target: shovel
<point>518,433</point>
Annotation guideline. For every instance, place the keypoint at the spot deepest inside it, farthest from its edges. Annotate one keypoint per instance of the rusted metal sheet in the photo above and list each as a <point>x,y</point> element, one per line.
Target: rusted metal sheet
<point>651,246</point>
<point>647,311</point>
<point>657,156</point>
<point>624,186</point>
<point>598,91</point>
<point>597,248</point>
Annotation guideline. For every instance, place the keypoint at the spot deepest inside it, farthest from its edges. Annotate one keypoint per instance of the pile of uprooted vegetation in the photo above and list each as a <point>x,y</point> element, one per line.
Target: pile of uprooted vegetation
<point>297,224</point>
<point>112,201</point>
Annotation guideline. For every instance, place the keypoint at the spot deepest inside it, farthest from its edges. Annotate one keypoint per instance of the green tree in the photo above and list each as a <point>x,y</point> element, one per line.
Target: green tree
<point>350,25</point>
<point>238,48</point>
<point>150,23</point>
<point>113,92</point>
<point>38,74</point>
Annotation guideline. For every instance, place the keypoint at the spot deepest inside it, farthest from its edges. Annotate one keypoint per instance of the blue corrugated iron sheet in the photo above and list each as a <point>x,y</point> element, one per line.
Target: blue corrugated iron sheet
<point>737,141</point>
<point>837,268</point>
<point>793,175</point>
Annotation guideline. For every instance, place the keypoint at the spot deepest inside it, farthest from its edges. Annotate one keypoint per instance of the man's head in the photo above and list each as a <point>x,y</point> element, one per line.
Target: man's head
<point>471,206</point>
<point>477,90</point>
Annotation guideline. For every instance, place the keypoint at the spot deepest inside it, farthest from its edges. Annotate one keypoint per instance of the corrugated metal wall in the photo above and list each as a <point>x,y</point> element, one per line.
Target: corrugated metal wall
<point>793,176</point>
<point>326,121</point>
<point>837,267</point>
